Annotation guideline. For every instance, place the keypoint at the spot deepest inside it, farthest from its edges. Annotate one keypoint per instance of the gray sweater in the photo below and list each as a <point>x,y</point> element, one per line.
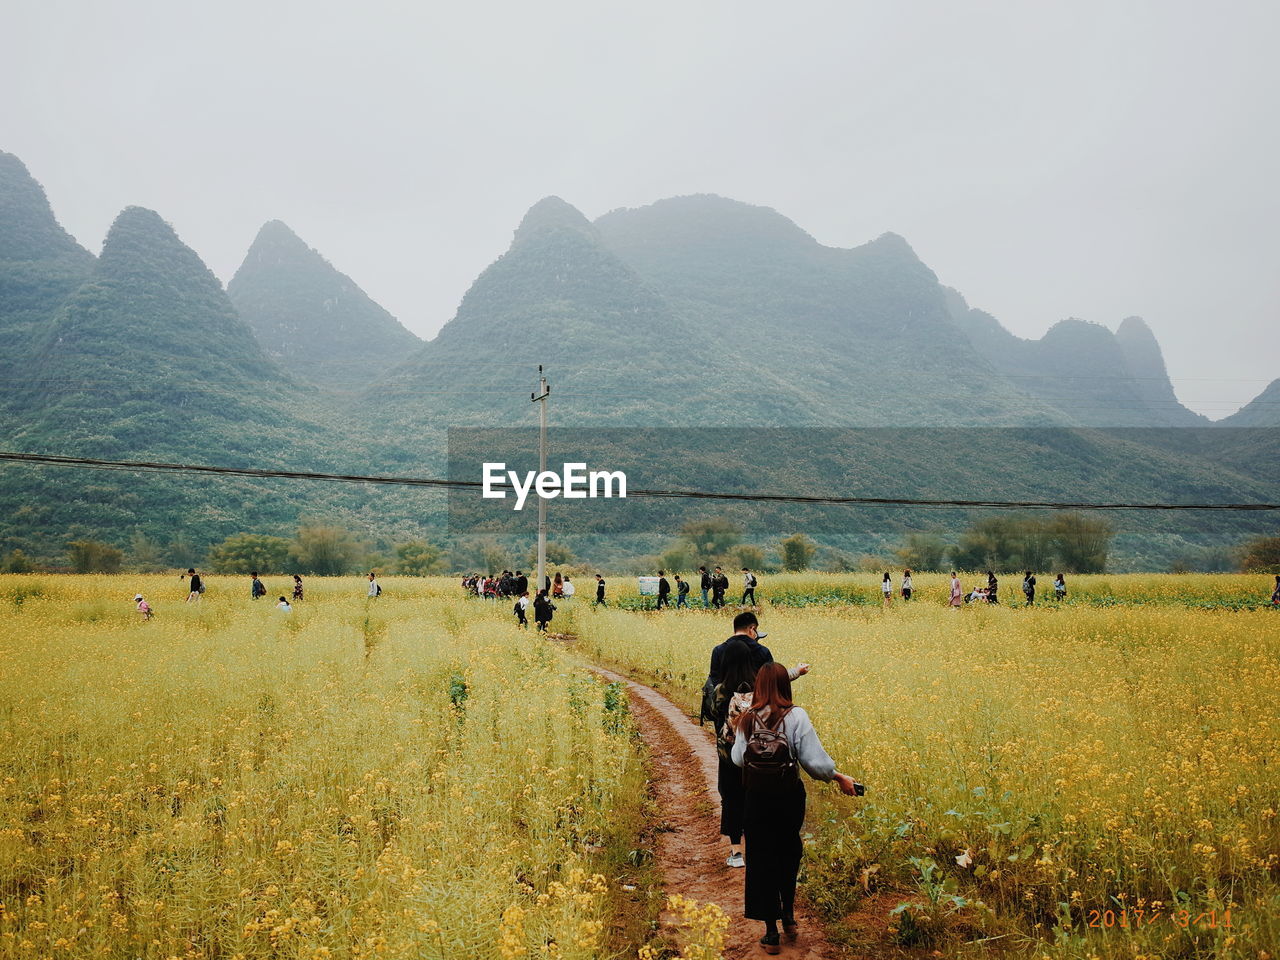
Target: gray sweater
<point>805,745</point>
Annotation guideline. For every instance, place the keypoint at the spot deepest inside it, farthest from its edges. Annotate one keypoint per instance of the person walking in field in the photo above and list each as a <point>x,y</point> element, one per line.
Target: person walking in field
<point>773,741</point>
<point>375,589</point>
<point>600,591</point>
<point>705,583</point>
<point>729,698</point>
<point>719,584</point>
<point>906,584</point>
<point>886,588</point>
<point>196,586</point>
<point>748,587</point>
<point>1275,594</point>
<point>144,608</point>
<point>297,588</point>
<point>957,592</point>
<point>543,610</point>
<point>521,611</point>
<point>993,588</point>
<point>256,589</point>
<point>1060,588</point>
<point>682,592</point>
<point>746,629</point>
<point>1029,588</point>
<point>664,590</point>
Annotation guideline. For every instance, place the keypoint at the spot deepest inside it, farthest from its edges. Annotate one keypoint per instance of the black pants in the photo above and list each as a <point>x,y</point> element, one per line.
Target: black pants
<point>772,826</point>
<point>749,592</point>
<point>717,598</point>
<point>664,600</point>
<point>732,797</point>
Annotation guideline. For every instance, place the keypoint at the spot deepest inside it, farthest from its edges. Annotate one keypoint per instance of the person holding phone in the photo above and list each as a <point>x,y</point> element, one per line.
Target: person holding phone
<point>774,740</point>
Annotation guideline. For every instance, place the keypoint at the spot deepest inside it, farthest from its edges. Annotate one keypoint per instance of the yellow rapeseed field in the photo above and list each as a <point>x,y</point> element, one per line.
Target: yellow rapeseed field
<point>392,777</point>
<point>411,777</point>
<point>1096,778</point>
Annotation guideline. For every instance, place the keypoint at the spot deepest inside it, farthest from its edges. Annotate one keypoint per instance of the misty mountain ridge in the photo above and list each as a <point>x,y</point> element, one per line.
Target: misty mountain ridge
<point>313,320</point>
<point>40,266</point>
<point>690,312</point>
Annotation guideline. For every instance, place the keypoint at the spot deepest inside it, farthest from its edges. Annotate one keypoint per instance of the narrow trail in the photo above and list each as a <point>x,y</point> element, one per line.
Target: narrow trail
<point>690,850</point>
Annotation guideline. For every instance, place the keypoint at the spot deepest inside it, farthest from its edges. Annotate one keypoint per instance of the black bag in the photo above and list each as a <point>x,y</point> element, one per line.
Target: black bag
<point>769,765</point>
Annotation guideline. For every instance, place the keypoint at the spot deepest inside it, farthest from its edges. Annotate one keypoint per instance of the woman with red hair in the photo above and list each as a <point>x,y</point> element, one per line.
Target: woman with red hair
<point>776,738</point>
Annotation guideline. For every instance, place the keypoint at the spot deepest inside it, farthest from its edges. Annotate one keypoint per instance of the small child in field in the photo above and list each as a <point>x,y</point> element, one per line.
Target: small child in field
<point>284,605</point>
<point>144,608</point>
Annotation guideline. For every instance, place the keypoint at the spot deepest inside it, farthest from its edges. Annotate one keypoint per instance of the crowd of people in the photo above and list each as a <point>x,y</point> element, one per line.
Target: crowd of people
<point>713,584</point>
<point>506,584</point>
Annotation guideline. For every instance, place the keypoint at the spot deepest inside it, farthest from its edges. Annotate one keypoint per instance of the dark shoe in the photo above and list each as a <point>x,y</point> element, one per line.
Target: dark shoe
<point>790,930</point>
<point>771,943</point>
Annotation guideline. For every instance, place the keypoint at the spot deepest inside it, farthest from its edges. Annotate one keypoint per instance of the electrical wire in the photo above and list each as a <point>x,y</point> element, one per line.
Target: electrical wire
<point>86,462</point>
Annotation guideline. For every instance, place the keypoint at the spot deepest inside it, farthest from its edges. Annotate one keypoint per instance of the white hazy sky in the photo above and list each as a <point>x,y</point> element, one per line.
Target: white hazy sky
<point>1087,159</point>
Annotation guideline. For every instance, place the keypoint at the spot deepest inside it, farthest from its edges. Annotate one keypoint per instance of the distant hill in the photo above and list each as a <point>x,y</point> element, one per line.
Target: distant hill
<point>40,266</point>
<point>315,321</point>
<point>865,332</point>
<point>1086,373</point>
<point>616,350</point>
<point>697,312</point>
<point>1262,411</point>
<point>148,360</point>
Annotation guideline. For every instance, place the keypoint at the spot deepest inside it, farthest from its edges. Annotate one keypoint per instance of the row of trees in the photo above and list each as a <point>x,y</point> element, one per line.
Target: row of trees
<point>1068,542</point>
<point>322,550</point>
<point>319,549</point>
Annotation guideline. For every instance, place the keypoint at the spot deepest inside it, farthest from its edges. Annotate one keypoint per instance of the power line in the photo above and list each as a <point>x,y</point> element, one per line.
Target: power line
<point>829,500</point>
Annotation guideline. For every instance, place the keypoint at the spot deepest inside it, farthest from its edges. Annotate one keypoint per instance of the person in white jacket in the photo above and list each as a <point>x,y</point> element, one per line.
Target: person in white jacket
<point>774,808</point>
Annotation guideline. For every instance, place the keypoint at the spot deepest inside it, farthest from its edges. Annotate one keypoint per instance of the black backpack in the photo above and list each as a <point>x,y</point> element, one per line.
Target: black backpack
<point>769,765</point>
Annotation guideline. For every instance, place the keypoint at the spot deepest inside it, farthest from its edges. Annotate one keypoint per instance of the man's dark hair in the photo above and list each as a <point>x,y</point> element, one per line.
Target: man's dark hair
<point>744,620</point>
<point>703,569</point>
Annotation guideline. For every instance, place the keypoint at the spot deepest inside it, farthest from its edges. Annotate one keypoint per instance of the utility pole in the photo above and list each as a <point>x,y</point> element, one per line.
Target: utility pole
<point>540,398</point>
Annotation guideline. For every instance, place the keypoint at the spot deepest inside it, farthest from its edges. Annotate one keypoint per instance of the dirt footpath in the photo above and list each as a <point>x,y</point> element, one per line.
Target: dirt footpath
<point>690,850</point>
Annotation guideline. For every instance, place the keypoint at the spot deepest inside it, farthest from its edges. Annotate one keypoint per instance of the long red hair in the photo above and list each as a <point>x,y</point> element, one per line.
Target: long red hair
<point>772,690</point>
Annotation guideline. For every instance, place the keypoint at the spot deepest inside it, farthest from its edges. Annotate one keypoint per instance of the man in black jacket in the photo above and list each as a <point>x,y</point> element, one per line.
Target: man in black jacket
<point>719,584</point>
<point>664,590</point>
<point>706,586</point>
<point>746,629</point>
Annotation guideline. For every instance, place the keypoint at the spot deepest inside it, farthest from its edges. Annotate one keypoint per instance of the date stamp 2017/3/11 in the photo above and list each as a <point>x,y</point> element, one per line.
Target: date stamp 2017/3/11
<point>1132,917</point>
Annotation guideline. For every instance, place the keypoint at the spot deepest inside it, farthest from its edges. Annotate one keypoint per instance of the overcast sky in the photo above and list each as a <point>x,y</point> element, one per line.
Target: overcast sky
<point>1087,159</point>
